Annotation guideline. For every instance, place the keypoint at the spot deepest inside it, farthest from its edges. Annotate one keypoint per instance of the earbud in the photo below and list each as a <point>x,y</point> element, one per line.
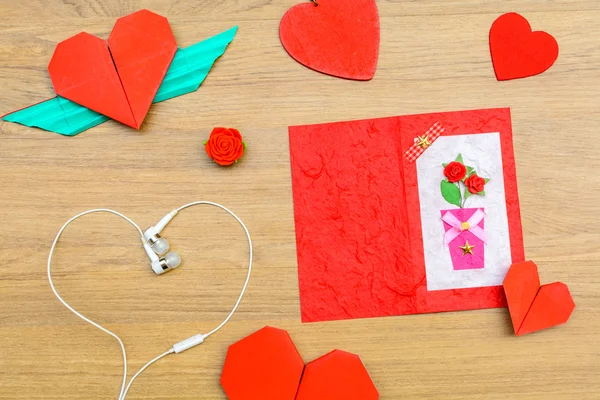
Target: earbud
<point>159,245</point>
<point>156,246</point>
<point>152,234</point>
<point>163,264</point>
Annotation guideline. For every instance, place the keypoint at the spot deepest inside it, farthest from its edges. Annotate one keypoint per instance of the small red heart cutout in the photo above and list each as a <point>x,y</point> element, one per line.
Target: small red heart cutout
<point>121,78</point>
<point>533,307</point>
<point>336,37</point>
<point>517,51</point>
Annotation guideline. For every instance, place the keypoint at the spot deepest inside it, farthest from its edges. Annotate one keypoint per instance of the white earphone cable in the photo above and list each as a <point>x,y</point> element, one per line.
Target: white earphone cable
<point>237,303</point>
<point>58,235</point>
<point>124,388</point>
<point>149,363</point>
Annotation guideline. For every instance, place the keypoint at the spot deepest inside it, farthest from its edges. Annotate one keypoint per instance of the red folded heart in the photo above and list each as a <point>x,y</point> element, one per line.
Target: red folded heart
<point>120,78</point>
<point>533,308</point>
<point>336,376</point>
<point>262,366</point>
<point>517,52</point>
<point>267,366</point>
<point>336,37</point>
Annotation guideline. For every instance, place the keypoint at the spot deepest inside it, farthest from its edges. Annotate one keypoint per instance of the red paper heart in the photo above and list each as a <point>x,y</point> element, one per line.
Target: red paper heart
<point>533,308</point>
<point>337,376</point>
<point>123,86</point>
<point>262,366</point>
<point>337,37</point>
<point>517,52</point>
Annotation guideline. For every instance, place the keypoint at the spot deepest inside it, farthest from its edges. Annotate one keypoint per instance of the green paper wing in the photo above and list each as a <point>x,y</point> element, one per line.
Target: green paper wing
<point>189,68</point>
<point>57,115</point>
<point>191,65</point>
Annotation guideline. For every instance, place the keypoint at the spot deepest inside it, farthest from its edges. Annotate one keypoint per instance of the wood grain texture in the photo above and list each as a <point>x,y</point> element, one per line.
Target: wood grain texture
<point>434,57</point>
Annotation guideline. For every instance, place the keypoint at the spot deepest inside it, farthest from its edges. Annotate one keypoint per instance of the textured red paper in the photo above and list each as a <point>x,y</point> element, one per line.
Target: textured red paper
<point>358,225</point>
<point>337,37</point>
<point>337,376</point>
<point>517,52</point>
<point>123,86</point>
<point>533,308</point>
<point>262,366</point>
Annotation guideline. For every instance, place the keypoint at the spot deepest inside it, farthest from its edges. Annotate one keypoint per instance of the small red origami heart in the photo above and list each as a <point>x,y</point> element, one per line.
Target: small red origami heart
<point>533,308</point>
<point>517,52</point>
<point>262,366</point>
<point>338,375</point>
<point>120,78</point>
<point>336,37</point>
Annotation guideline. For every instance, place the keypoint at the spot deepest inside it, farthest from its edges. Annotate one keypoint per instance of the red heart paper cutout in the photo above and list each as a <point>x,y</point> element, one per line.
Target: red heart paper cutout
<point>533,308</point>
<point>121,86</point>
<point>336,37</point>
<point>517,52</point>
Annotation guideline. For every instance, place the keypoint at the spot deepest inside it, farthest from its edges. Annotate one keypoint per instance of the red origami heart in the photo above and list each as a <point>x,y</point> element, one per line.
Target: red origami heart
<point>517,52</point>
<point>338,375</point>
<point>120,78</point>
<point>336,37</point>
<point>533,307</point>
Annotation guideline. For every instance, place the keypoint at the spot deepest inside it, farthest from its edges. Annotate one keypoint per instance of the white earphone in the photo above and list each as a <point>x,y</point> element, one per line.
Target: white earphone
<point>155,247</point>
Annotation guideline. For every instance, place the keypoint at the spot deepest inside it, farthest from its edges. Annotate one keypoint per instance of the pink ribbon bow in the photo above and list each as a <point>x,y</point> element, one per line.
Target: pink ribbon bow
<point>470,225</point>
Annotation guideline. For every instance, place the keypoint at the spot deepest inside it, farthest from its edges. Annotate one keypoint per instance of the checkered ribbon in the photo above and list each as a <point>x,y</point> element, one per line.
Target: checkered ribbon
<point>431,135</point>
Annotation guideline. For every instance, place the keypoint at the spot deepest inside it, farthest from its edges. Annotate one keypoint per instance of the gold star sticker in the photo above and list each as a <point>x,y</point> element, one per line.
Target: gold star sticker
<point>467,248</point>
<point>423,141</point>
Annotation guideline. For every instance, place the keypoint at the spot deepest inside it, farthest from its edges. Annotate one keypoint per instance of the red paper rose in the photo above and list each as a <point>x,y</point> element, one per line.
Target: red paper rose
<point>225,146</point>
<point>455,171</point>
<point>475,183</point>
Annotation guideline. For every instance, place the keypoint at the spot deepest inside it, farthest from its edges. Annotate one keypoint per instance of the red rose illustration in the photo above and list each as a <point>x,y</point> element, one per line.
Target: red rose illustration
<point>225,146</point>
<point>455,171</point>
<point>475,183</point>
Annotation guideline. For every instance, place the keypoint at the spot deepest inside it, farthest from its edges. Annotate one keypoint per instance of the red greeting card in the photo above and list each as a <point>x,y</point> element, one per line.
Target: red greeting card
<point>405,215</point>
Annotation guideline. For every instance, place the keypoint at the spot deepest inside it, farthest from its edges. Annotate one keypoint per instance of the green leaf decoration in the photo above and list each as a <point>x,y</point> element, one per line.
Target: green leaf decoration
<point>482,193</point>
<point>467,194</point>
<point>470,170</point>
<point>486,180</point>
<point>450,192</point>
<point>459,158</point>
<point>444,165</point>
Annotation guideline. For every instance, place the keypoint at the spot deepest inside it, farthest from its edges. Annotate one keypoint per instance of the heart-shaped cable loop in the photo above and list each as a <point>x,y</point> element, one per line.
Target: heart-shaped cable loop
<point>178,347</point>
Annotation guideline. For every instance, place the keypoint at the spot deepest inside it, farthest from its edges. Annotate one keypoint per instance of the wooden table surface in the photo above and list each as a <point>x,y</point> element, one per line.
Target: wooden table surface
<point>434,57</point>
